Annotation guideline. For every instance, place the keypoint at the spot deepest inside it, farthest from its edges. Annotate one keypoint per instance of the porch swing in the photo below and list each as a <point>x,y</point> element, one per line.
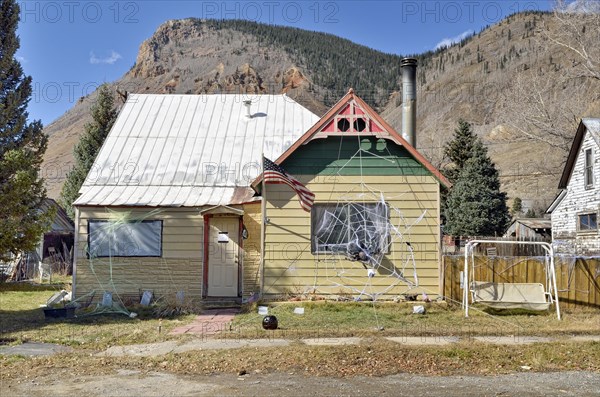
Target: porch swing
<point>529,296</point>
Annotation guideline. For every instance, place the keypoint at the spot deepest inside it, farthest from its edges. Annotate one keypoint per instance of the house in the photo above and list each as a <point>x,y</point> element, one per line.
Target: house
<point>54,248</point>
<point>362,173</point>
<point>175,202</point>
<point>536,229</point>
<point>167,205</point>
<point>574,212</point>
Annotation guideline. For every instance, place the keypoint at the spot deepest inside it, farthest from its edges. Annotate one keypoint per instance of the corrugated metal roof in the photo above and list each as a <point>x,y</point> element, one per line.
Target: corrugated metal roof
<point>191,150</point>
<point>61,222</point>
<point>536,223</point>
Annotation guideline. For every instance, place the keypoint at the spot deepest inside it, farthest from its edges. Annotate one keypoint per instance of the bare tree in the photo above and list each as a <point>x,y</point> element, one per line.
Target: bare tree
<point>546,109</point>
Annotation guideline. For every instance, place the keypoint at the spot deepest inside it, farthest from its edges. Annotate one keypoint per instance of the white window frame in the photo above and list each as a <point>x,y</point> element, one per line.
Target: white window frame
<point>130,244</point>
<point>588,170</point>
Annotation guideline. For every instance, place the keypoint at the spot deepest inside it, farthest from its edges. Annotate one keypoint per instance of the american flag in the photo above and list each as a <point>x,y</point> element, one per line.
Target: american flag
<point>275,174</point>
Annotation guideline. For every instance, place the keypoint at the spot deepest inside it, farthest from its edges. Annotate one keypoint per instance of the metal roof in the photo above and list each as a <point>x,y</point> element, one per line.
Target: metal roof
<point>535,223</point>
<point>61,223</point>
<point>191,150</point>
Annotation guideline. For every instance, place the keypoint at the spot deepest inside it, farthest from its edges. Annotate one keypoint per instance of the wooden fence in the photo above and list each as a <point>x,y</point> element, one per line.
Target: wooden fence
<point>453,245</point>
<point>578,279</point>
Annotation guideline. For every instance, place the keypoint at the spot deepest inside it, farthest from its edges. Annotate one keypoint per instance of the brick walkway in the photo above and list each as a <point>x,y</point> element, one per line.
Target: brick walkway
<point>208,323</point>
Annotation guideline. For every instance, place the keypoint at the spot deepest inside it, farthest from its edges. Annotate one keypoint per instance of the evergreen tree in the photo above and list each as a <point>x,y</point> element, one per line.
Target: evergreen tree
<point>459,149</point>
<point>530,213</point>
<point>517,207</point>
<point>22,145</point>
<point>475,205</point>
<point>104,115</point>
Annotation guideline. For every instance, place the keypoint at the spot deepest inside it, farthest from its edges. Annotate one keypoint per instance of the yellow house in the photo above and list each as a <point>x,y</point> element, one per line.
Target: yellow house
<point>174,203</point>
<point>374,229</point>
<point>167,206</point>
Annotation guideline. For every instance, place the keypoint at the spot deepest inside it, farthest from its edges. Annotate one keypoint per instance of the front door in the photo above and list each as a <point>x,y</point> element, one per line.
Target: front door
<point>223,253</point>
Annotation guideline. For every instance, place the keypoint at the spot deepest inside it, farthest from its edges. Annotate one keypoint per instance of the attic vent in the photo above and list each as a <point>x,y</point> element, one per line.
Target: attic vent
<point>360,125</point>
<point>343,125</point>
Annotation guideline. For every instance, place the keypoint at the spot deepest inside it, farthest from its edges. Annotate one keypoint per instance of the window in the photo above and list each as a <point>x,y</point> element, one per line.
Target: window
<point>587,222</point>
<point>589,169</point>
<point>352,229</point>
<point>132,239</point>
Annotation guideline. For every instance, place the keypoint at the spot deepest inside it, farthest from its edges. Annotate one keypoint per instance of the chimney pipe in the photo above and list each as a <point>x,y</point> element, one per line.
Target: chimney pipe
<point>409,100</point>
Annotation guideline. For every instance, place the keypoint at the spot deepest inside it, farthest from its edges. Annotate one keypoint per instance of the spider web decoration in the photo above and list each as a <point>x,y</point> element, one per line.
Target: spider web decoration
<point>363,228</point>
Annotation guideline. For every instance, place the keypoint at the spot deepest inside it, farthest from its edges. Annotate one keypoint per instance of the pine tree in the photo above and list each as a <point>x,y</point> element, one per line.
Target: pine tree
<point>517,207</point>
<point>22,145</point>
<point>104,115</point>
<point>459,149</point>
<point>475,205</point>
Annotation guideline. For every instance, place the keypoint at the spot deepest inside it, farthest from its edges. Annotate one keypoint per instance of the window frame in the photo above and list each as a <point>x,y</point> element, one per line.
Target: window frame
<point>588,168</point>
<point>88,250</point>
<point>314,247</point>
<point>587,214</point>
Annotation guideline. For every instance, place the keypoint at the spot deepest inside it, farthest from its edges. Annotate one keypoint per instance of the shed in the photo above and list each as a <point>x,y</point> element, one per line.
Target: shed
<point>530,229</point>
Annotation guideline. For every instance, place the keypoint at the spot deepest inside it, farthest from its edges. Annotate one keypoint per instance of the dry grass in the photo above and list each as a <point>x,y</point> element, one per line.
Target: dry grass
<point>22,319</point>
<point>338,319</point>
<point>376,357</point>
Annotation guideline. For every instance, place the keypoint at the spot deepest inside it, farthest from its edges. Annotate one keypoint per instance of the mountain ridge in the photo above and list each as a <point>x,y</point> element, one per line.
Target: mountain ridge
<point>472,79</point>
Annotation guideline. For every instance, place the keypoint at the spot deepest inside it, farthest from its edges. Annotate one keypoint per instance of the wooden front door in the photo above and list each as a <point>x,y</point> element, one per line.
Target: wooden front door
<point>223,256</point>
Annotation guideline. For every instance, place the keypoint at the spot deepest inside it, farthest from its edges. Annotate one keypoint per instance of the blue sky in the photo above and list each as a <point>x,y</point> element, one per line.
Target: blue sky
<point>70,47</point>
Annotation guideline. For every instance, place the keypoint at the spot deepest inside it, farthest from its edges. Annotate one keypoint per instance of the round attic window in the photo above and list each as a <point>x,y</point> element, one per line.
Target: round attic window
<point>343,125</point>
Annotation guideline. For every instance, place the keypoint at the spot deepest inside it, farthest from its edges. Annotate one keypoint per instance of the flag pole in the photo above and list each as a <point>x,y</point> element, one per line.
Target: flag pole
<point>263,217</point>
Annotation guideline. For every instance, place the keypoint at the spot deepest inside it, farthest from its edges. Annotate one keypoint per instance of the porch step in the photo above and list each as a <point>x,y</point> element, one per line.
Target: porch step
<point>220,303</point>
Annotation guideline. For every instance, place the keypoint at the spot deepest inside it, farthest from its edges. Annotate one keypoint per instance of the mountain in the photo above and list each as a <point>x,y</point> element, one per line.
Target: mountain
<point>475,79</point>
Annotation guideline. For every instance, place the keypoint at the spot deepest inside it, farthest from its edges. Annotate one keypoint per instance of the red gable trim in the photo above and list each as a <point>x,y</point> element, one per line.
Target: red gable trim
<point>339,106</point>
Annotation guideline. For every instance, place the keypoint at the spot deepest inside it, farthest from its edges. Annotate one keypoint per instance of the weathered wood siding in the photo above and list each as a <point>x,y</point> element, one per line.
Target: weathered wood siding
<point>331,171</point>
<point>565,236</point>
<point>179,268</point>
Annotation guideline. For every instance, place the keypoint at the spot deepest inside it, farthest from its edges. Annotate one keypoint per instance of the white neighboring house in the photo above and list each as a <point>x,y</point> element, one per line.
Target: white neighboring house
<point>575,210</point>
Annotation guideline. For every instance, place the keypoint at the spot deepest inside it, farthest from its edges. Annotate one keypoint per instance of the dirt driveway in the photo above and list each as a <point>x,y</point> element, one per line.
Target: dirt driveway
<point>135,383</point>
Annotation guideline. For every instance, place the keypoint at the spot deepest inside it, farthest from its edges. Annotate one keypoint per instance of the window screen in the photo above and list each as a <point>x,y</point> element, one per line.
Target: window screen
<point>124,239</point>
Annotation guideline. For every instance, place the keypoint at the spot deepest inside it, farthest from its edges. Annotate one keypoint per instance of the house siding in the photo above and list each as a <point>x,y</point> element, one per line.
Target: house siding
<point>179,268</point>
<point>578,199</point>
<point>291,268</point>
<point>251,251</point>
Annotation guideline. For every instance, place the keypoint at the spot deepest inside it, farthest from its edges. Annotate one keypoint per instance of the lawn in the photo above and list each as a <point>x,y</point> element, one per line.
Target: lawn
<point>366,319</point>
<point>22,319</point>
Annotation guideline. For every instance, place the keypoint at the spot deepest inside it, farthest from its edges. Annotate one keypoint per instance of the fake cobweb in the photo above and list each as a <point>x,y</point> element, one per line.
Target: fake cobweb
<point>114,237</point>
<point>361,243</point>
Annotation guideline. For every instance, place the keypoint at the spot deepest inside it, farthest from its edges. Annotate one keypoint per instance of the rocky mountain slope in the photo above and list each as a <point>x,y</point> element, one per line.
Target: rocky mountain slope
<point>482,79</point>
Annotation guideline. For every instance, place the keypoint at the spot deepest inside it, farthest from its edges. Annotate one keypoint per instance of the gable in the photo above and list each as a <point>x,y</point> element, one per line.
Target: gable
<point>353,119</point>
<point>586,125</point>
<point>353,156</point>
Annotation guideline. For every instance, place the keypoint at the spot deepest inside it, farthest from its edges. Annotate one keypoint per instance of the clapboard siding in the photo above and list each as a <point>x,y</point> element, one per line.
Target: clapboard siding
<point>577,200</point>
<point>251,254</point>
<point>179,268</point>
<point>290,267</point>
